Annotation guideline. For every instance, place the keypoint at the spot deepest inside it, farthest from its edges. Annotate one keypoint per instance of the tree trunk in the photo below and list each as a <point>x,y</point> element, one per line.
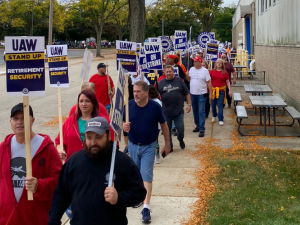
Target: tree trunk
<point>137,20</point>
<point>99,34</point>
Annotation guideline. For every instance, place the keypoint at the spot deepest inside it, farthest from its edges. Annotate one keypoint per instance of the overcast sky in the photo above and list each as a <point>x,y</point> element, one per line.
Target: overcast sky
<point>225,2</point>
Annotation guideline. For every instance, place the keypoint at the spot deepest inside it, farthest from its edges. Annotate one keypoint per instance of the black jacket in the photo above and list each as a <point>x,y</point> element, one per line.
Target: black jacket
<point>82,182</point>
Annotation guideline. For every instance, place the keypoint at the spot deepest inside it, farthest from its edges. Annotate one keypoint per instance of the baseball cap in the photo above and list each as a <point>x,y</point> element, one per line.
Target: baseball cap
<point>101,65</point>
<point>197,59</point>
<point>19,107</point>
<point>171,57</point>
<point>97,124</point>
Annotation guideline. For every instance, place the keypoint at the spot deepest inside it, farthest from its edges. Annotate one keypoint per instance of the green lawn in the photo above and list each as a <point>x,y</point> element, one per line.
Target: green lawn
<point>256,187</point>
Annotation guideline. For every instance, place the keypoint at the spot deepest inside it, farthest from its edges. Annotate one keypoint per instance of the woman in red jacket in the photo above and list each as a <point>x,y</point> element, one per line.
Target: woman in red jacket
<point>73,127</point>
<point>219,80</point>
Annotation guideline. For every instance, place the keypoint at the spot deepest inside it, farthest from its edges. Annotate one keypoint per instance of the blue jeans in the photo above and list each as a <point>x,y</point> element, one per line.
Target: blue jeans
<point>179,125</point>
<point>198,104</point>
<point>218,102</point>
<point>143,157</point>
<point>108,108</point>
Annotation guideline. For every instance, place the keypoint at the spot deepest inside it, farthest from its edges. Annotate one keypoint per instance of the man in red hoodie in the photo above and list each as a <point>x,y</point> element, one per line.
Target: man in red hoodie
<point>46,165</point>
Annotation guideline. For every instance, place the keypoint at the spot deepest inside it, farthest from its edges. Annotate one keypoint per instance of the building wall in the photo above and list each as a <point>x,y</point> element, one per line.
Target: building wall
<point>277,48</point>
<point>253,26</point>
<point>281,64</point>
<point>239,28</point>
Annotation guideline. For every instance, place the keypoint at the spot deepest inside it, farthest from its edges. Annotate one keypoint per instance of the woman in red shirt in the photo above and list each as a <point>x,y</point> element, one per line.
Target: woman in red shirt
<point>219,80</point>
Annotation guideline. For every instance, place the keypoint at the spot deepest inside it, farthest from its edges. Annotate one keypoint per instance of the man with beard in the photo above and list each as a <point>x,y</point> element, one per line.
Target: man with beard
<point>83,182</point>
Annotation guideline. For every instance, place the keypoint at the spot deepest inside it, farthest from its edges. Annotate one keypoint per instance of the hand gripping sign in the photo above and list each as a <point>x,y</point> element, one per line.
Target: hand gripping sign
<point>153,55</point>
<point>126,54</point>
<point>58,65</point>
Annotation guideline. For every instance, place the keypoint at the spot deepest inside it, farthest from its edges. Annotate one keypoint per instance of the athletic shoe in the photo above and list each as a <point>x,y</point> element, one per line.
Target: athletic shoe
<point>138,205</point>
<point>173,131</point>
<point>146,218</point>
<point>182,144</point>
<point>201,134</point>
<point>229,105</point>
<point>221,123</point>
<point>157,159</point>
<point>196,130</point>
<point>213,119</point>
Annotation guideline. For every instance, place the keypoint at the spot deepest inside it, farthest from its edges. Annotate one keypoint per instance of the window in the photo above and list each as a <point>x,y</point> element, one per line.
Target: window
<point>274,2</point>
<point>262,7</point>
<point>266,5</point>
<point>270,3</point>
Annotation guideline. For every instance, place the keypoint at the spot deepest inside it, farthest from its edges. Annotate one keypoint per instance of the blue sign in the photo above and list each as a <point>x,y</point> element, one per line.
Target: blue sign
<point>203,38</point>
<point>212,50</point>
<point>25,66</point>
<point>180,40</point>
<point>126,54</point>
<point>117,115</point>
<point>143,62</point>
<point>153,56</point>
<point>58,65</point>
<point>166,44</point>
<point>176,71</point>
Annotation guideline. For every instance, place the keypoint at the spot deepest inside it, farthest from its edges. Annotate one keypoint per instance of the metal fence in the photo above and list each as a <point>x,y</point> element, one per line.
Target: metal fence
<point>247,78</point>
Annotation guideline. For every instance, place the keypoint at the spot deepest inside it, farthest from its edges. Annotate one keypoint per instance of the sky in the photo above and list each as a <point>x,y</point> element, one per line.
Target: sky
<point>225,2</point>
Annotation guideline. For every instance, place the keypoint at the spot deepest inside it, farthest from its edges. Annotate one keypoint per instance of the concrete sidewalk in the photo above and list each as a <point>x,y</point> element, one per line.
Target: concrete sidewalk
<point>173,191</point>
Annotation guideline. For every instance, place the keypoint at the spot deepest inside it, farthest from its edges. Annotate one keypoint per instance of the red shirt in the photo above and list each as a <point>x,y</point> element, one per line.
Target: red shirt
<point>229,69</point>
<point>218,79</point>
<point>101,88</point>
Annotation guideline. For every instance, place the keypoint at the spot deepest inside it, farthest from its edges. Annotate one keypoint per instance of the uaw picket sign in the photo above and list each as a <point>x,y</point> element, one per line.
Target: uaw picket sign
<point>25,66</point>
<point>153,55</point>
<point>212,50</point>
<point>143,62</point>
<point>58,65</point>
<point>126,55</point>
<point>203,38</point>
<point>154,39</point>
<point>166,44</point>
<point>180,40</point>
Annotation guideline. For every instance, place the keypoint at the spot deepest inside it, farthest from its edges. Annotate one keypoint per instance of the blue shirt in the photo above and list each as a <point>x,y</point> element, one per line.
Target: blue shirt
<point>144,120</point>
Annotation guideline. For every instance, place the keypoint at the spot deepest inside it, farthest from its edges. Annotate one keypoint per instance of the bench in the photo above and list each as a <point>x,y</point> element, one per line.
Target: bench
<point>236,99</point>
<point>241,114</point>
<point>293,113</point>
<point>251,73</point>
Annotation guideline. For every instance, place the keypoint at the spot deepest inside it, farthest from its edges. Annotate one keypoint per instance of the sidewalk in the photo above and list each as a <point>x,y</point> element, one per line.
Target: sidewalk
<point>173,187</point>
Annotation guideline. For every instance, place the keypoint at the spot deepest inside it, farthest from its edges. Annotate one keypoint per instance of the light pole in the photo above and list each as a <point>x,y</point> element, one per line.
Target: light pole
<point>50,23</point>
<point>162,27</point>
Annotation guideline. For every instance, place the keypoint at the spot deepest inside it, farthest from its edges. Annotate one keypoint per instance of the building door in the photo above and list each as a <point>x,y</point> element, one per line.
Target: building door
<point>248,35</point>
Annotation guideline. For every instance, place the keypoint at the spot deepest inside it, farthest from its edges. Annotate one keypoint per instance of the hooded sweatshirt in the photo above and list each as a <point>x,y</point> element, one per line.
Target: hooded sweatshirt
<point>46,166</point>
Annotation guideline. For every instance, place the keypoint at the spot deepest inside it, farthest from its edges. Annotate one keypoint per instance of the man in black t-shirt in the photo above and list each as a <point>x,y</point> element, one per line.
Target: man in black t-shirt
<point>173,92</point>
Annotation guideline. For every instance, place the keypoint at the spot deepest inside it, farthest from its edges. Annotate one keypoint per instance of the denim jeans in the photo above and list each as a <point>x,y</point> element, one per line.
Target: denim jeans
<point>207,107</point>
<point>218,102</point>
<point>179,125</point>
<point>198,104</point>
<point>107,108</point>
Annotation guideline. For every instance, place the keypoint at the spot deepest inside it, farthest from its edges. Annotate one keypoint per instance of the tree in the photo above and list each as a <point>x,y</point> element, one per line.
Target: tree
<point>205,11</point>
<point>137,20</point>
<point>121,20</point>
<point>93,14</point>
<point>223,23</point>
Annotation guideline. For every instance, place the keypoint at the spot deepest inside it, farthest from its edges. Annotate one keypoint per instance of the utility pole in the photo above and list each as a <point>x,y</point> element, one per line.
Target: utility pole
<point>31,30</point>
<point>162,27</point>
<point>50,23</point>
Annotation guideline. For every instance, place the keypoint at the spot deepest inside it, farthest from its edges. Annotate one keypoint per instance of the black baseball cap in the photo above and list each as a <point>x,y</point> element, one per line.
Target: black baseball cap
<point>19,107</point>
<point>101,65</point>
<point>97,124</point>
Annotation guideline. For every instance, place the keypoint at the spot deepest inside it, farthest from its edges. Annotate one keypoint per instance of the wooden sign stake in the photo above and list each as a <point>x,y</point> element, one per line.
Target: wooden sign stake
<point>126,92</point>
<point>86,65</point>
<point>27,142</point>
<point>60,119</point>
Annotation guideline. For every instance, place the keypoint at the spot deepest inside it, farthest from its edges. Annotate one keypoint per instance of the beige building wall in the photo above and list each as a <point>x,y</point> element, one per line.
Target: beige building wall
<point>281,64</point>
<point>236,31</point>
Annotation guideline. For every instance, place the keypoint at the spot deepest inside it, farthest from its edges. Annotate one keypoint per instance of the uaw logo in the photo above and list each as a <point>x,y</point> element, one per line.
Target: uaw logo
<point>107,178</point>
<point>166,44</point>
<point>203,38</point>
<point>25,91</point>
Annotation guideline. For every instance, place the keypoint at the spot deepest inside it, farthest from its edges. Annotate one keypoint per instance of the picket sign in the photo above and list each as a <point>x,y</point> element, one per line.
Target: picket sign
<point>27,142</point>
<point>109,91</point>
<point>86,65</point>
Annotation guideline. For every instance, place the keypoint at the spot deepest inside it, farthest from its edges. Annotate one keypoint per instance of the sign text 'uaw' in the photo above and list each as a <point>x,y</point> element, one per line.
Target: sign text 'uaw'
<point>180,40</point>
<point>25,66</point>
<point>126,55</point>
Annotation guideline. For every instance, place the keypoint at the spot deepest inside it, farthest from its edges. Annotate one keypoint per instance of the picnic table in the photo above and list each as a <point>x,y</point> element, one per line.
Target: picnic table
<point>257,89</point>
<point>239,69</point>
<point>264,103</point>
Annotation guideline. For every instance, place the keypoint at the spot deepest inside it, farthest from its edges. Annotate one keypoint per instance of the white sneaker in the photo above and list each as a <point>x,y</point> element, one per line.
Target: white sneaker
<point>221,123</point>
<point>213,119</point>
<point>157,159</point>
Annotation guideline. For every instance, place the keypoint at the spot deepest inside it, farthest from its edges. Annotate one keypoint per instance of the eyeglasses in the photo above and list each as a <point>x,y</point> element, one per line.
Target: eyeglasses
<point>224,57</point>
